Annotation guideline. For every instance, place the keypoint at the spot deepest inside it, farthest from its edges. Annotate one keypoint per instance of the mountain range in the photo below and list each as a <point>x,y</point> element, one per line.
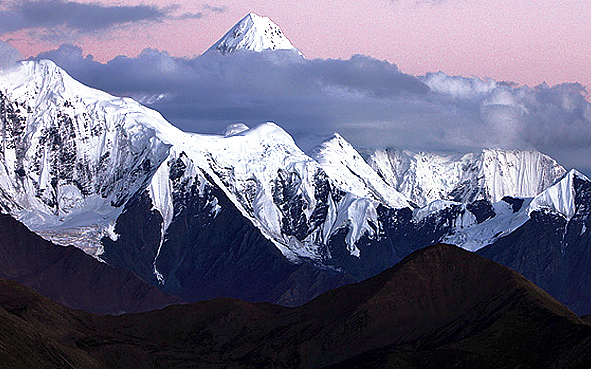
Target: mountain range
<point>248,214</point>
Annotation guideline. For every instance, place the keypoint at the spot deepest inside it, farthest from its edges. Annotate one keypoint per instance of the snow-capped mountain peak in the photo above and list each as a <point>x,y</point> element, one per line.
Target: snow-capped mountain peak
<point>235,128</point>
<point>254,33</point>
<point>560,197</point>
<point>71,155</point>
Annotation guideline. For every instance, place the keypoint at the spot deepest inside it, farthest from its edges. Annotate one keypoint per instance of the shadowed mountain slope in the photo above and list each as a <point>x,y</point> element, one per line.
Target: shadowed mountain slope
<point>553,251</point>
<point>68,275</point>
<point>439,307</point>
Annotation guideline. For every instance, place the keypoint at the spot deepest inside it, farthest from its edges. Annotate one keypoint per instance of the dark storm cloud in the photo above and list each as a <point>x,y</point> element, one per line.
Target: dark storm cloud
<point>83,17</point>
<point>370,102</point>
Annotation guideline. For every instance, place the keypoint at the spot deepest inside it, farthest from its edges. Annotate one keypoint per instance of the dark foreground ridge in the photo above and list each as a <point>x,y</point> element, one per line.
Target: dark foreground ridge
<point>439,307</point>
<point>69,276</point>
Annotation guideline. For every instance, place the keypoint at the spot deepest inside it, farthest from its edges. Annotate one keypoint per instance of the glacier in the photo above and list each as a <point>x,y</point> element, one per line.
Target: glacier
<point>71,156</point>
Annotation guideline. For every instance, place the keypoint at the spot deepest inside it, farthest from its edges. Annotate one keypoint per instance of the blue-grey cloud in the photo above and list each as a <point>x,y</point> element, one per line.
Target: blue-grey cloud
<point>215,9</point>
<point>65,19</point>
<point>370,102</point>
<point>83,17</point>
<point>195,15</point>
<point>9,56</point>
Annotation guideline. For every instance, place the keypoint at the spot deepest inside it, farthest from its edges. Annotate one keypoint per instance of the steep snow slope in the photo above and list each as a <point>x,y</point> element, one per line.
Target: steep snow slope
<point>285,193</point>
<point>503,219</point>
<point>490,174</point>
<point>71,156</point>
<point>560,198</point>
<point>352,174</point>
<point>254,33</point>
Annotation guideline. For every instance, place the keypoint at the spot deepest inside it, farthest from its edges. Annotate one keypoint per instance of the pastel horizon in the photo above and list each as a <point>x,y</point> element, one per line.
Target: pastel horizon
<point>506,41</point>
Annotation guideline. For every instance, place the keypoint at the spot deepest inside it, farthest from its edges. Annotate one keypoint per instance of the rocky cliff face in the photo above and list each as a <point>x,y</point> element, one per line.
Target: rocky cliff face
<point>197,244</point>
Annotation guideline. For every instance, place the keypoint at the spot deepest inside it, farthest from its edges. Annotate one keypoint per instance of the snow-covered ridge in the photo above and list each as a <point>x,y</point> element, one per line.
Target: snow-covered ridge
<point>284,192</point>
<point>71,156</point>
<point>489,174</point>
<point>254,33</point>
<point>351,173</point>
<point>471,235</point>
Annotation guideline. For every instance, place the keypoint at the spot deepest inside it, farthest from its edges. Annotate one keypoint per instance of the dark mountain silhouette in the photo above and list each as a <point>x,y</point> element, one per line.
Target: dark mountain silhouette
<point>439,307</point>
<point>68,275</point>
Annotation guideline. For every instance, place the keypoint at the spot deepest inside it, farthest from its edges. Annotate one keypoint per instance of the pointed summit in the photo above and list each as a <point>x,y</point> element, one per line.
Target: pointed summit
<point>561,196</point>
<point>254,33</point>
<point>349,171</point>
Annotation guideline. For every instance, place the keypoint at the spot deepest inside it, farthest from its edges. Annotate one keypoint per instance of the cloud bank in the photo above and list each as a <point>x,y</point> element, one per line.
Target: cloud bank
<point>370,102</point>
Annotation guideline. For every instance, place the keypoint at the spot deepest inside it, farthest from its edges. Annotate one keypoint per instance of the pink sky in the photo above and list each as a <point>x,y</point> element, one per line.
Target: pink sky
<point>525,41</point>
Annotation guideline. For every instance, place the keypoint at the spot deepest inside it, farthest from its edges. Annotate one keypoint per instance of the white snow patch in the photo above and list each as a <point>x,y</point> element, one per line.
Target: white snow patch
<point>110,232</point>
